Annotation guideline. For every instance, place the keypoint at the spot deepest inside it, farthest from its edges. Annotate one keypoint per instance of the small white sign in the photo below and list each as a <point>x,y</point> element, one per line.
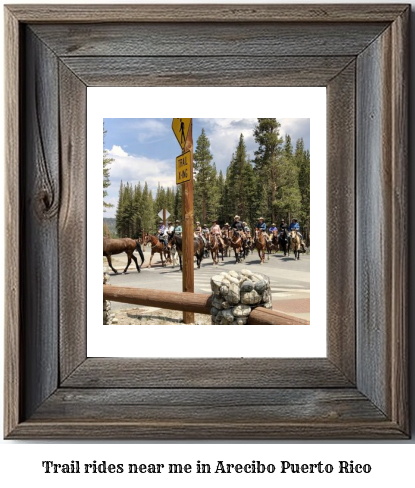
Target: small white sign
<point>160,214</point>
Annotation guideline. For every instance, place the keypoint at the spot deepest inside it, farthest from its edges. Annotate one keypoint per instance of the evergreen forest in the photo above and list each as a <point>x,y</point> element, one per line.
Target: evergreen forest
<point>274,184</point>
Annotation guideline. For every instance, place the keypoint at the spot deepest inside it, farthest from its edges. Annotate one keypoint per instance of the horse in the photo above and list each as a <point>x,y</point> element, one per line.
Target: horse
<point>226,241</point>
<point>237,245</point>
<point>275,241</point>
<point>173,255</point>
<point>295,243</point>
<point>284,241</point>
<point>117,246</point>
<point>261,245</point>
<point>248,245</point>
<point>216,246</point>
<point>198,248</point>
<point>270,246</point>
<point>156,247</point>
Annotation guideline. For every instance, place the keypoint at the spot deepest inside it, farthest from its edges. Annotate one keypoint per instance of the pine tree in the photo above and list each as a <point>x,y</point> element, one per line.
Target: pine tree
<point>177,210</point>
<point>106,162</point>
<point>148,217</point>
<point>240,185</point>
<point>249,179</point>
<point>205,191</point>
<point>170,194</point>
<point>119,211</point>
<point>137,196</point>
<point>302,158</point>
<point>289,197</point>
<point>126,217</point>
<point>268,161</point>
<point>221,210</point>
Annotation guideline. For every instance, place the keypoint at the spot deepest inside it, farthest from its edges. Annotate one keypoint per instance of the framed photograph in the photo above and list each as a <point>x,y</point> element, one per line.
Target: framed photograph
<point>143,153</point>
<point>358,390</point>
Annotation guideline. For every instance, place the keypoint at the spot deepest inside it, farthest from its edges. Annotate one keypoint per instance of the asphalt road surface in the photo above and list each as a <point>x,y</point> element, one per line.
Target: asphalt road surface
<point>290,279</point>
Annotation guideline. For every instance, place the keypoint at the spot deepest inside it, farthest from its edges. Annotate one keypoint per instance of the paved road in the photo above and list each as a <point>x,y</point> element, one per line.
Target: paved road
<point>290,279</point>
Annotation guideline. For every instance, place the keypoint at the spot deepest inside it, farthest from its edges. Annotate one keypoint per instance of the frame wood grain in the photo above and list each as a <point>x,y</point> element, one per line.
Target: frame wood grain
<point>359,52</point>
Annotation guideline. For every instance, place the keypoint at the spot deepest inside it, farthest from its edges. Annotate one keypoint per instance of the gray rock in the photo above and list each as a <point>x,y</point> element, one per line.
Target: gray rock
<point>241,320</point>
<point>241,310</point>
<point>246,272</point>
<point>234,295</point>
<point>267,305</point>
<point>217,302</point>
<point>234,274</point>
<point>224,290</point>
<point>267,296</point>
<point>226,276</point>
<point>247,286</point>
<point>260,286</point>
<point>227,316</point>
<point>214,311</point>
<point>250,297</point>
<point>256,277</point>
<point>216,283</point>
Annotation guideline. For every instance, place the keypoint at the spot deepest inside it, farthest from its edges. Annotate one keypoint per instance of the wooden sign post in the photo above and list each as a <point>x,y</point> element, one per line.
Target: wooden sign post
<point>183,129</point>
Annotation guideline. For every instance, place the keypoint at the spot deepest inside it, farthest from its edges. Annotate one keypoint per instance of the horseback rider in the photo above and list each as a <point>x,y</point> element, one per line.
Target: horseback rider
<point>178,228</point>
<point>199,232</point>
<point>198,229</point>
<point>247,230</point>
<point>283,230</point>
<point>205,235</point>
<point>283,226</point>
<point>237,224</point>
<point>272,228</point>
<point>296,226</point>
<point>205,230</point>
<point>215,230</point>
<point>170,230</point>
<point>163,234</point>
<point>262,226</point>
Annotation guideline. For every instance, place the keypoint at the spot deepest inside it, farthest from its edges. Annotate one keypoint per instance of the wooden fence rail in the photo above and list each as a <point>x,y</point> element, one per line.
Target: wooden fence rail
<point>191,302</point>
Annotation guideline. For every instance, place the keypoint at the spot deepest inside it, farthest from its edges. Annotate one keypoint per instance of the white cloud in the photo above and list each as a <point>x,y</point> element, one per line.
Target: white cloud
<point>135,169</point>
<point>224,136</point>
<point>117,151</point>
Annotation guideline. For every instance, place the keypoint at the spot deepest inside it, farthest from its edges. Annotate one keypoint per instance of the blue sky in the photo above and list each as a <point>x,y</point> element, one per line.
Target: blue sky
<point>146,149</point>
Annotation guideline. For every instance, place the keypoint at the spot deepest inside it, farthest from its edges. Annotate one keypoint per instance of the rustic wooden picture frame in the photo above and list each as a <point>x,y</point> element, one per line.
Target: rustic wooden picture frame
<point>359,52</point>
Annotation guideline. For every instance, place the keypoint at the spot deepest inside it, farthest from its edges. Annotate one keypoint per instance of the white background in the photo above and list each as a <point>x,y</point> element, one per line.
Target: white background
<point>206,341</point>
<point>392,463</point>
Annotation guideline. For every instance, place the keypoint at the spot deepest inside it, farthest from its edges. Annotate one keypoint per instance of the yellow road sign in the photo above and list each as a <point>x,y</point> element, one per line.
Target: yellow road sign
<point>181,128</point>
<point>183,168</point>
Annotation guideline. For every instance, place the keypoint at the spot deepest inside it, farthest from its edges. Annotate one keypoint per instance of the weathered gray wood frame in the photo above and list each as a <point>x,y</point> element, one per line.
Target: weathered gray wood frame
<point>359,52</point>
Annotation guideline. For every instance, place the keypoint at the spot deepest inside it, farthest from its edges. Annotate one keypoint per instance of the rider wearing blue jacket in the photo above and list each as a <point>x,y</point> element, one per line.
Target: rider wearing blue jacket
<point>296,226</point>
<point>261,225</point>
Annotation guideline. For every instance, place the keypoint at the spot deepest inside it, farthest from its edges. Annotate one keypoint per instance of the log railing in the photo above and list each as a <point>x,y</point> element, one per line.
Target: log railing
<point>191,302</point>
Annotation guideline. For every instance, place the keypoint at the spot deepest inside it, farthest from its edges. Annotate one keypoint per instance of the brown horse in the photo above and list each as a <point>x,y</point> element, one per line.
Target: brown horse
<point>198,248</point>
<point>226,241</point>
<point>156,247</point>
<point>273,243</point>
<point>295,244</point>
<point>216,246</point>
<point>236,244</point>
<point>261,245</point>
<point>117,246</point>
